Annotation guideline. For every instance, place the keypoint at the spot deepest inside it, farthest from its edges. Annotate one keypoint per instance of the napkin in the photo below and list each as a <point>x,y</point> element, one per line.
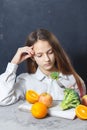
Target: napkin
<point>52,111</point>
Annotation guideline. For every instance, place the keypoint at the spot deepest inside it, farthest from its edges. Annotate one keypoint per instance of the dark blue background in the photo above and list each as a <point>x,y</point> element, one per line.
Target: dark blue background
<point>67,19</point>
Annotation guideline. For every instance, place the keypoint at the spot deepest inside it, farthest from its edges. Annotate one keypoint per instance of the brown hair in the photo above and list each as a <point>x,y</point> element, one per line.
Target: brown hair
<point>62,63</point>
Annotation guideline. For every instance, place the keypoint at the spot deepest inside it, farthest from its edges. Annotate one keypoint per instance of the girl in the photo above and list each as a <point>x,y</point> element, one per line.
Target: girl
<point>44,55</point>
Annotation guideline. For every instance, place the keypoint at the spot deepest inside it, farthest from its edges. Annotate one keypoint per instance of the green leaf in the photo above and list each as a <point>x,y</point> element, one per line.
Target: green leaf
<point>54,75</point>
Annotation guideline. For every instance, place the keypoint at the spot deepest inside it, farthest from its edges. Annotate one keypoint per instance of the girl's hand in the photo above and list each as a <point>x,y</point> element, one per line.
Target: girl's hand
<point>22,54</point>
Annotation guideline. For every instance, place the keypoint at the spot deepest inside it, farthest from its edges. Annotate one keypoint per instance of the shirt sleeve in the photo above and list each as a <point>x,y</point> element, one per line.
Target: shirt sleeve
<point>10,90</point>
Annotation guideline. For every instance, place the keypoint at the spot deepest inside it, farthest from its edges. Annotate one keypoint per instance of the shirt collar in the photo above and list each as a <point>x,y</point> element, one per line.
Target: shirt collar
<point>63,76</point>
<point>40,75</point>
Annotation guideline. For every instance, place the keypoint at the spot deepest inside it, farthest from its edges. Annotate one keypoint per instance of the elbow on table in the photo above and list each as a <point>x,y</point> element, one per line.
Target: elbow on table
<point>8,101</point>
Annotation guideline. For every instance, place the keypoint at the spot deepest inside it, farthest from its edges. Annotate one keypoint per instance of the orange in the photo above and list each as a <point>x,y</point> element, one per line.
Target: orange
<point>39,110</point>
<point>81,111</point>
<point>31,96</point>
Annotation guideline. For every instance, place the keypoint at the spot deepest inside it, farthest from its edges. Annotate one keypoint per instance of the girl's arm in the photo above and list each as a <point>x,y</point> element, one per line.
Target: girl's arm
<point>7,88</point>
<point>10,90</point>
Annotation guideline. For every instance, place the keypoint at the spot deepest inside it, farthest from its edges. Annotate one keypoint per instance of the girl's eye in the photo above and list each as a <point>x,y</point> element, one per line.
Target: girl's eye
<point>50,52</point>
<point>39,55</point>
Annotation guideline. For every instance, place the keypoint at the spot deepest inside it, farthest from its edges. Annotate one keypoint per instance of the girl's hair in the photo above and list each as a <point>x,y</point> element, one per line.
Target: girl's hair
<point>62,62</point>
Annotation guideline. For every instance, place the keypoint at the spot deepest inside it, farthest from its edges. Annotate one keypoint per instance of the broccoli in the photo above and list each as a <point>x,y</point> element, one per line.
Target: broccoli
<point>54,75</point>
<point>71,99</point>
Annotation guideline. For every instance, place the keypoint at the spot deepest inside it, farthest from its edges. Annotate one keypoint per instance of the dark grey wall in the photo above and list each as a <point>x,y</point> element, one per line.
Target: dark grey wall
<point>67,19</point>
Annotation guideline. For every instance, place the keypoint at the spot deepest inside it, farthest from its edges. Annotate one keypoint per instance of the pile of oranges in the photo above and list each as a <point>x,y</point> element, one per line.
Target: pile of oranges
<point>38,109</point>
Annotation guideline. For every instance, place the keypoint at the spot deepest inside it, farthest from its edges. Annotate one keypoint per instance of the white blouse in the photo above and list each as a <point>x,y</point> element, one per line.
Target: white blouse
<point>13,88</point>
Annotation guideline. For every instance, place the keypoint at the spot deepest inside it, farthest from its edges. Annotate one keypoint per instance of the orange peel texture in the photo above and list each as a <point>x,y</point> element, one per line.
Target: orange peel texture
<point>39,110</point>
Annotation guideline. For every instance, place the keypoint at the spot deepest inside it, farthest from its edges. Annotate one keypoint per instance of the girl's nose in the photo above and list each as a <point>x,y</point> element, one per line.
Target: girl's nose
<point>46,57</point>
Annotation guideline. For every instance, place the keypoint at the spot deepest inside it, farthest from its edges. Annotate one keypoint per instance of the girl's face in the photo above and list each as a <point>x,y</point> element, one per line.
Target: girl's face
<point>44,56</point>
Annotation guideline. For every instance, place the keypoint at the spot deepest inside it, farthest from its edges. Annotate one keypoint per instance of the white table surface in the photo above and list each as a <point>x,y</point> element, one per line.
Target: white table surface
<point>13,119</point>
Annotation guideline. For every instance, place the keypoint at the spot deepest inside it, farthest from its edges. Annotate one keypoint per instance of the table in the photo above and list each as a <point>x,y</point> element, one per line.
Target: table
<point>11,118</point>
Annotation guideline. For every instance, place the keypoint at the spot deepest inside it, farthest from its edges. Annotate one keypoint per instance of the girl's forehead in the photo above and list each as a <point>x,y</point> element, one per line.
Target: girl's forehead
<point>42,46</point>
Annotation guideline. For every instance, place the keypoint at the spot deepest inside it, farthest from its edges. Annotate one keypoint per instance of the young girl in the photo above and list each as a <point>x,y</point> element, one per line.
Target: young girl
<point>44,55</point>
